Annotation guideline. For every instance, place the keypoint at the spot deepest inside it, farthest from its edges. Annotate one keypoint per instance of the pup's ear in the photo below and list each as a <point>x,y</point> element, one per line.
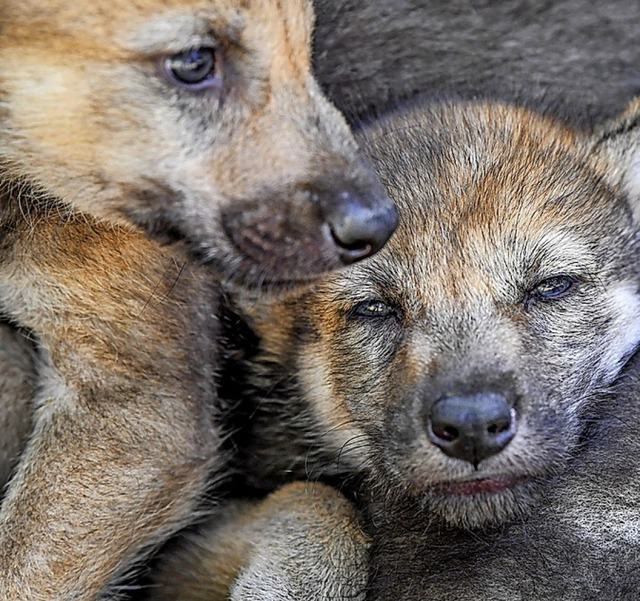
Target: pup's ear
<point>616,150</point>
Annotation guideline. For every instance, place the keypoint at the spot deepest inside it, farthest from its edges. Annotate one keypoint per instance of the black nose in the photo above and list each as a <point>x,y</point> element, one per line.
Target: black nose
<point>360,222</point>
<point>472,427</point>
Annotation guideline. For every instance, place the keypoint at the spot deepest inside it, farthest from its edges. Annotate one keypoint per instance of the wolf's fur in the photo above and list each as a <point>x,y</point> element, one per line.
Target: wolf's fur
<point>569,54</point>
<point>256,173</point>
<point>495,200</point>
<point>368,56</point>
<point>581,542</point>
<point>97,121</point>
<point>17,386</point>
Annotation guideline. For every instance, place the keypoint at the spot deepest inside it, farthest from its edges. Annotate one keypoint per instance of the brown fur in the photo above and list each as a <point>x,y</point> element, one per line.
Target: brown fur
<point>495,202</point>
<point>98,147</point>
<point>124,438</point>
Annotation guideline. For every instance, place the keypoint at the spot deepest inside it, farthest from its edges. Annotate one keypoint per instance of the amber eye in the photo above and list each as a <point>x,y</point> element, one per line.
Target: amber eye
<point>372,308</point>
<point>195,69</point>
<point>551,289</point>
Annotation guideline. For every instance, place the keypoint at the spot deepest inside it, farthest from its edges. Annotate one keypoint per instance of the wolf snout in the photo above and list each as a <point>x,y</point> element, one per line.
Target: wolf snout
<point>359,222</point>
<point>472,427</point>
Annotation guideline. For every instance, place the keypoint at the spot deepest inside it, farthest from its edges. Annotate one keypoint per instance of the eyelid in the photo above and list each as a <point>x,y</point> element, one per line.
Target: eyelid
<point>533,293</point>
<point>195,41</point>
<point>213,79</point>
<point>573,279</point>
<point>358,310</point>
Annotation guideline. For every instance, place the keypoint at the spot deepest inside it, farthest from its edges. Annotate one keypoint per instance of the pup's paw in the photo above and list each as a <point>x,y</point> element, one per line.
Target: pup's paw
<point>302,542</point>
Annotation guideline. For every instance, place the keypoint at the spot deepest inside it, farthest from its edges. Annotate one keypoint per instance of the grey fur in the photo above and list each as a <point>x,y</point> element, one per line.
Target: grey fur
<point>581,543</point>
<point>16,385</point>
<point>369,54</point>
<point>578,56</point>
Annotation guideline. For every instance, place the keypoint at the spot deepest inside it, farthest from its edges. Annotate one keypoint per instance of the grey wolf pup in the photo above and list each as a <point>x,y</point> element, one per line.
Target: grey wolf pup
<point>474,375</point>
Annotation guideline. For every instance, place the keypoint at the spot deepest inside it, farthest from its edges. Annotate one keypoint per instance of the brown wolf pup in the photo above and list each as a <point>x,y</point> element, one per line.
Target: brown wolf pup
<point>193,121</point>
<point>474,374</point>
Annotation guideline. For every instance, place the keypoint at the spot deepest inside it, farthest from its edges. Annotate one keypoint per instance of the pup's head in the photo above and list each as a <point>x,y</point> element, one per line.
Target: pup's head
<point>198,120</point>
<point>460,360</point>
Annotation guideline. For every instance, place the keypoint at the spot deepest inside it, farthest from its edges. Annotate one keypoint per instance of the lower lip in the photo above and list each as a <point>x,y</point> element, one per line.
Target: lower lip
<point>474,487</point>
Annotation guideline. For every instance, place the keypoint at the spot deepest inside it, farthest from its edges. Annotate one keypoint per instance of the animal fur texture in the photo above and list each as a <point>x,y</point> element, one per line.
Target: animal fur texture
<point>122,126</point>
<point>316,550</point>
<point>17,388</point>
<point>576,57</point>
<point>511,276</point>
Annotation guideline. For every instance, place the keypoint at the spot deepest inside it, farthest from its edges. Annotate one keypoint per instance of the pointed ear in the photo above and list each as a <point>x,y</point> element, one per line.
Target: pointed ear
<point>616,151</point>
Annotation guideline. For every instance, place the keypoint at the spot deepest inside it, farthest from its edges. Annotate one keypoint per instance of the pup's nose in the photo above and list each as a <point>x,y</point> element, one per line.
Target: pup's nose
<point>472,427</point>
<point>360,222</point>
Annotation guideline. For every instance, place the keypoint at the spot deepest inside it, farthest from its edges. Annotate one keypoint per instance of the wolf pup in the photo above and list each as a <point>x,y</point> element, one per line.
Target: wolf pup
<point>196,122</point>
<point>475,373</point>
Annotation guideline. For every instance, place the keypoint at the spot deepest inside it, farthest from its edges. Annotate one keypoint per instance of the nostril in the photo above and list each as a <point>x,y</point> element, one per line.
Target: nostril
<point>499,427</point>
<point>472,427</point>
<point>445,433</point>
<point>359,224</point>
<point>351,251</point>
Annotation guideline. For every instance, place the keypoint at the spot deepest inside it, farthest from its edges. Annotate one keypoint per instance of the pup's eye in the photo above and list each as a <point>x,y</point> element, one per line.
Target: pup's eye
<point>196,68</point>
<point>551,289</point>
<point>372,308</point>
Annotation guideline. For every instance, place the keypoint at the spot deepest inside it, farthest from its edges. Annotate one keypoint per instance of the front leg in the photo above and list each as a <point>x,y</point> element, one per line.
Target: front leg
<point>99,482</point>
<point>124,437</point>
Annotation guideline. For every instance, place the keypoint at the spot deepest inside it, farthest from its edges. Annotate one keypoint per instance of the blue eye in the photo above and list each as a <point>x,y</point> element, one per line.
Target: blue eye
<point>550,289</point>
<point>196,68</point>
<point>372,308</point>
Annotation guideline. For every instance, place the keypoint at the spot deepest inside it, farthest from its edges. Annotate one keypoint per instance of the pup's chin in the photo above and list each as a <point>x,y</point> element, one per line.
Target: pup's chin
<point>253,259</point>
<point>293,246</point>
<point>482,502</point>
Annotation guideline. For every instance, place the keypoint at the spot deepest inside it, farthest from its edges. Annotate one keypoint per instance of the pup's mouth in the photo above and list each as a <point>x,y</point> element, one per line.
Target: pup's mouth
<point>482,502</point>
<point>477,486</point>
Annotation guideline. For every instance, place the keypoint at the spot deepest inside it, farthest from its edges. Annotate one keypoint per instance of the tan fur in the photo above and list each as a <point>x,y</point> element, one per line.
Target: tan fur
<point>124,438</point>
<point>100,145</point>
<point>257,551</point>
<point>95,119</point>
